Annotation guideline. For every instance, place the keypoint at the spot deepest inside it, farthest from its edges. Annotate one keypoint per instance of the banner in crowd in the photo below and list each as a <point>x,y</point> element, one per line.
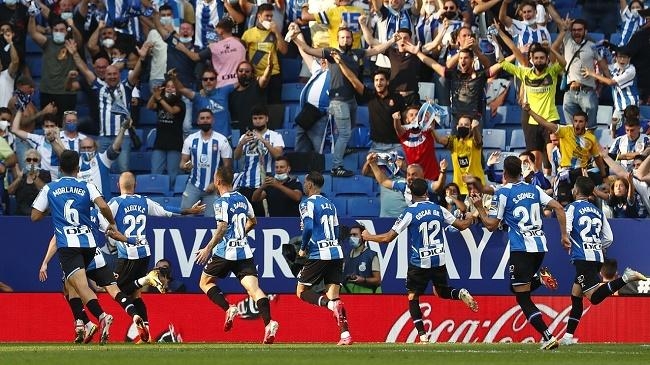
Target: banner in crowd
<point>372,318</point>
<point>477,259</point>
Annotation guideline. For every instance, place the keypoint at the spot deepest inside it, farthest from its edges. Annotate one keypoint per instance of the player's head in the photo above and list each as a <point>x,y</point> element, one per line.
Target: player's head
<point>127,183</point>
<point>414,171</point>
<point>260,117</point>
<point>314,181</point>
<point>380,80</point>
<point>632,128</point>
<point>419,189</point>
<point>355,235</point>
<point>223,178</point>
<point>583,187</point>
<point>631,111</point>
<point>580,122</point>
<point>512,168</point>
<point>344,36</point>
<point>539,56</point>
<point>69,165</point>
<point>205,119</point>
<point>282,168</point>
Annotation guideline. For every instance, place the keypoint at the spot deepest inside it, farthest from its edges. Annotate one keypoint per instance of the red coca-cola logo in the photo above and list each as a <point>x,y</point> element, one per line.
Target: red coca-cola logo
<point>509,325</point>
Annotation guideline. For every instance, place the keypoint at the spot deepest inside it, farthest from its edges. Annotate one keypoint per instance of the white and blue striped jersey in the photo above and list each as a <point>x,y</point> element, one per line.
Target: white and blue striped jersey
<point>69,200</point>
<point>424,222</point>
<point>625,92</point>
<point>206,156</point>
<point>123,15</point>
<point>99,226</point>
<point>207,15</point>
<point>520,206</point>
<point>97,171</point>
<point>525,34</point>
<point>623,144</point>
<point>425,29</point>
<point>320,229</point>
<point>234,209</point>
<point>49,158</point>
<point>631,23</point>
<point>71,143</point>
<point>130,212</point>
<point>258,159</point>
<point>402,186</point>
<point>589,231</point>
<point>109,123</point>
<point>293,10</point>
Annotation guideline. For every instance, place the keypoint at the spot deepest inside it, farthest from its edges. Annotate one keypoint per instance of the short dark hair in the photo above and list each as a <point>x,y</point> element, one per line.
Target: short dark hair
<point>52,118</point>
<point>580,113</point>
<point>316,178</point>
<point>419,187</point>
<point>345,29</point>
<point>405,30</point>
<point>69,161</point>
<point>381,71</point>
<point>639,157</point>
<point>358,226</point>
<point>164,7</point>
<point>4,109</point>
<point>609,268</point>
<point>468,51</point>
<point>264,7</point>
<point>632,122</point>
<point>225,174</point>
<point>584,185</point>
<point>260,109</point>
<point>538,47</point>
<point>512,166</point>
<point>283,158</point>
<point>631,111</point>
<point>582,22</point>
<point>205,110</point>
<point>528,154</point>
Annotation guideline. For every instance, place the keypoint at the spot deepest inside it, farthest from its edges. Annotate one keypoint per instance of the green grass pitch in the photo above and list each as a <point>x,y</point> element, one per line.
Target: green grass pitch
<point>325,354</point>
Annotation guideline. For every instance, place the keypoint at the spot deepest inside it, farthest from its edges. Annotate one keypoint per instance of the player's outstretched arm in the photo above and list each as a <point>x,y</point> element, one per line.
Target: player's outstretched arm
<point>385,237</point>
<point>51,250</point>
<point>204,254</point>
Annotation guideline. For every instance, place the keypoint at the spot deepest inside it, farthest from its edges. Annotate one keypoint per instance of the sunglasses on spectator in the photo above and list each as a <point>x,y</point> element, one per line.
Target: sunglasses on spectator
<point>70,112</point>
<point>29,159</point>
<point>209,78</point>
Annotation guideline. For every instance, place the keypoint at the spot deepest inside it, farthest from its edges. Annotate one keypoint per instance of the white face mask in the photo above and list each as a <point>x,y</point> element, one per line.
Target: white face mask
<point>281,177</point>
<point>108,42</point>
<point>58,37</point>
<point>635,12</point>
<point>355,242</point>
<point>4,124</point>
<point>66,15</point>
<point>11,2</point>
<point>185,39</point>
<point>429,9</point>
<point>449,200</point>
<point>531,21</point>
<point>166,20</point>
<point>266,24</point>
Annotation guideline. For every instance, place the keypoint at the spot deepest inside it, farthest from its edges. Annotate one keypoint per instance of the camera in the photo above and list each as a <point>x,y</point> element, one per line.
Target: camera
<point>164,272</point>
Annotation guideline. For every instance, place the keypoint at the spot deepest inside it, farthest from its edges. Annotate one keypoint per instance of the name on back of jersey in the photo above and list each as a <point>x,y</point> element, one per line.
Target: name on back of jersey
<point>135,208</point>
<point>427,212</point>
<point>587,209</point>
<point>68,190</point>
<point>522,196</point>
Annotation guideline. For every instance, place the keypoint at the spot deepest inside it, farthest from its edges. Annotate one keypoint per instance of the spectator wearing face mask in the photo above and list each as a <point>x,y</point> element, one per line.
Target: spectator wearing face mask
<point>8,73</point>
<point>69,136</point>
<point>169,130</point>
<point>29,182</point>
<point>361,268</point>
<point>282,192</point>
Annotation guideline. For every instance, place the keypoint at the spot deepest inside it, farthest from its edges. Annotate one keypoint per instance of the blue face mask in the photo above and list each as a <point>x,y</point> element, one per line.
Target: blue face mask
<point>87,156</point>
<point>58,37</point>
<point>355,242</point>
<point>71,127</point>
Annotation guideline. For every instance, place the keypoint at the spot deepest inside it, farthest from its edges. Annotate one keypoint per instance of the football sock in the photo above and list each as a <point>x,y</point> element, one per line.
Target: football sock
<point>532,313</point>
<point>94,308</point>
<point>574,315</point>
<point>416,315</point>
<point>314,298</point>
<point>77,307</point>
<point>216,296</point>
<point>535,283</point>
<point>447,292</point>
<point>606,290</point>
<point>265,309</point>
<point>126,304</point>
<point>141,309</point>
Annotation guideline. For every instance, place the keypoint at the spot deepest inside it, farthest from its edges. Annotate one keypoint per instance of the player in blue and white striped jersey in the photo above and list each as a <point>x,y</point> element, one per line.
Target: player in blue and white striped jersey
<point>69,200</point>
<point>203,152</point>
<point>590,235</point>
<point>259,147</point>
<point>229,252</point>
<point>425,221</point>
<point>320,245</point>
<point>519,205</point>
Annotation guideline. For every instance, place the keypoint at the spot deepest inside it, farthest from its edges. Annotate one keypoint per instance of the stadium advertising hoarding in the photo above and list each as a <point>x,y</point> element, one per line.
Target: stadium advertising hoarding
<point>372,318</point>
<point>477,258</point>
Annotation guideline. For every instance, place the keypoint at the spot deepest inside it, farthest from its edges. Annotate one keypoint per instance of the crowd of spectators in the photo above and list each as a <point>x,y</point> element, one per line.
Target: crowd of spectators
<point>211,74</point>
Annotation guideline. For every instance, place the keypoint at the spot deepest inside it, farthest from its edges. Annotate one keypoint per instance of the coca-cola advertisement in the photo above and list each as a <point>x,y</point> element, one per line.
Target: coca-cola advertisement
<point>372,318</point>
